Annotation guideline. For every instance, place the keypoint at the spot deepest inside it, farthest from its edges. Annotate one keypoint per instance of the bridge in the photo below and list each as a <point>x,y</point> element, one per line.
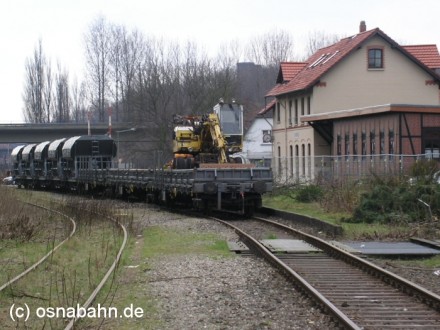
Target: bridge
<point>34,133</point>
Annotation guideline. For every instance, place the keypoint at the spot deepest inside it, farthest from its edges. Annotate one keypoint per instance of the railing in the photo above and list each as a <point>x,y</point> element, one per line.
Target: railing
<point>308,168</point>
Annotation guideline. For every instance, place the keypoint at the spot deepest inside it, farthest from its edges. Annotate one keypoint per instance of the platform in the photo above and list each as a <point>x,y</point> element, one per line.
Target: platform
<point>387,248</point>
<point>361,248</point>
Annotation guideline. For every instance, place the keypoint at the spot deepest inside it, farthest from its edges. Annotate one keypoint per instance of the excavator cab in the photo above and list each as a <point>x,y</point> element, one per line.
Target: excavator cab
<point>231,122</point>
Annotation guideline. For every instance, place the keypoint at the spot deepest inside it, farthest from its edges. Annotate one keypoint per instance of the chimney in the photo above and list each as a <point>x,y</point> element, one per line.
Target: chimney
<point>362,27</point>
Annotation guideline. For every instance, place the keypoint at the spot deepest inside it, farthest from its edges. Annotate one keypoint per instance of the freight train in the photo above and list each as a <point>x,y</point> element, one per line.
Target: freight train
<point>203,172</point>
<point>85,164</point>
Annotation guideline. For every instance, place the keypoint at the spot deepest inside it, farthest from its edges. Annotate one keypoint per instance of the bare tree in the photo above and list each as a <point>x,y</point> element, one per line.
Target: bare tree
<point>48,93</point>
<point>230,53</point>
<point>78,92</point>
<point>37,89</point>
<point>128,51</point>
<point>98,52</point>
<point>62,113</point>
<point>224,73</point>
<point>196,70</point>
<point>319,39</point>
<point>271,48</point>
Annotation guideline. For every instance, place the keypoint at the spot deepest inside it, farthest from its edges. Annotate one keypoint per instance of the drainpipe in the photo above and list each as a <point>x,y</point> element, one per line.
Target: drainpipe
<point>271,125</point>
<point>285,140</point>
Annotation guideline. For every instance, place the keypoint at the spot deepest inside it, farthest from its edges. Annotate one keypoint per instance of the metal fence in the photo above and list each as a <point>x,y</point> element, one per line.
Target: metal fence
<point>304,169</point>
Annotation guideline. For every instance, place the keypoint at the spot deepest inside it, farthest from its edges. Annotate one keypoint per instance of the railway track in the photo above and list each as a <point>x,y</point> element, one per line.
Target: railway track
<point>44,258</point>
<point>95,292</point>
<point>357,293</point>
<point>91,298</point>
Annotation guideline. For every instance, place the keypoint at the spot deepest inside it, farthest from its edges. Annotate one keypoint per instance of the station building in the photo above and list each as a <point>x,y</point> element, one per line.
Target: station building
<point>363,104</point>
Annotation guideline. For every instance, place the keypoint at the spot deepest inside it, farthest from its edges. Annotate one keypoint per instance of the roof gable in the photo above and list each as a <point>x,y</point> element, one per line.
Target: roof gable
<point>326,58</point>
<point>288,70</point>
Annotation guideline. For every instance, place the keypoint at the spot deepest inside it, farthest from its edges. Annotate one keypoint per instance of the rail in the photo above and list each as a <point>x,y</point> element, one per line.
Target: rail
<point>39,262</point>
<point>95,292</point>
<point>429,298</point>
<point>256,246</point>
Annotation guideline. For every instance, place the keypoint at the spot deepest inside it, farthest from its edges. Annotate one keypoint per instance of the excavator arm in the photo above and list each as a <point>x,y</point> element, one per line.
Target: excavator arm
<point>217,137</point>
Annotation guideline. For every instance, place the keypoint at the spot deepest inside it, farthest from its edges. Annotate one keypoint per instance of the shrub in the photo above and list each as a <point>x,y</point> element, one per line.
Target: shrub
<point>423,170</point>
<point>309,193</point>
<point>397,202</point>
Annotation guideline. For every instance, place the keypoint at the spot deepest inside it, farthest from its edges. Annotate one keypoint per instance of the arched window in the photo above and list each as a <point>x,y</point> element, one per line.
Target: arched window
<point>291,160</point>
<point>279,161</point>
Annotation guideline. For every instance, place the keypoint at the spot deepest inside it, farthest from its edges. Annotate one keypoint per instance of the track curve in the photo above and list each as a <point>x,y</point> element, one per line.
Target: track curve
<point>359,294</point>
<point>95,292</point>
<point>39,262</point>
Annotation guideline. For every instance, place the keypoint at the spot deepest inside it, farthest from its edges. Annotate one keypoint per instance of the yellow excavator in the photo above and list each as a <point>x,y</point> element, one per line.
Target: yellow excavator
<point>200,140</point>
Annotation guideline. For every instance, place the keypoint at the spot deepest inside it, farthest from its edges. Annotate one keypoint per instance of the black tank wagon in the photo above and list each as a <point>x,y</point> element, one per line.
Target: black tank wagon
<point>16,159</point>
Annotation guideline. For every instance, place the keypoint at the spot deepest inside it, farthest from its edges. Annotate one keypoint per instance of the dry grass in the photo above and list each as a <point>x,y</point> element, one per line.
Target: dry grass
<point>70,275</point>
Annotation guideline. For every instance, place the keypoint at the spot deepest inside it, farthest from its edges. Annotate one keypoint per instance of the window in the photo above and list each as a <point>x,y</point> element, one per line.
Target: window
<point>278,113</point>
<point>372,143</point>
<point>279,161</point>
<point>290,113</point>
<point>302,106</point>
<point>309,160</point>
<point>297,161</point>
<point>308,105</point>
<point>291,160</point>
<point>364,145</point>
<point>375,58</point>
<point>431,143</point>
<point>355,147</point>
<point>339,145</point>
<point>391,142</point>
<point>382,142</point>
<point>296,112</point>
<point>303,147</point>
<point>347,145</point>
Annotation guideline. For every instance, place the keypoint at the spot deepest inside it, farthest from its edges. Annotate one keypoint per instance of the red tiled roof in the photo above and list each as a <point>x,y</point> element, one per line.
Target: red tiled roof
<point>320,62</point>
<point>326,58</point>
<point>427,54</point>
<point>288,70</point>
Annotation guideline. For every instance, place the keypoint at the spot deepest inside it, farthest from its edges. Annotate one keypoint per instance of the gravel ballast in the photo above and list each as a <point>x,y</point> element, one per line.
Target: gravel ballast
<point>197,291</point>
<point>204,292</point>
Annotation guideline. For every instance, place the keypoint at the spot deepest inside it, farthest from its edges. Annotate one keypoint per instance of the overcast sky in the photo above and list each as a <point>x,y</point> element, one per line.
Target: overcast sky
<point>61,25</point>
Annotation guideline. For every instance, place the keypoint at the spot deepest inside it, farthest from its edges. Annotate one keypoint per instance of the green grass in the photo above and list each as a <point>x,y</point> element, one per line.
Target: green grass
<point>129,288</point>
<point>133,273</point>
<point>314,209</point>
<point>68,276</point>
<point>132,286</point>
<point>430,263</point>
<point>350,230</point>
<point>433,262</point>
<point>374,231</point>
<point>18,256</point>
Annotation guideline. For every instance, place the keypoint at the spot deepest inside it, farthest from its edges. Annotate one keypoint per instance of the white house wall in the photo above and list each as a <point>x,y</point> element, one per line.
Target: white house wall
<point>253,144</point>
<point>350,84</point>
